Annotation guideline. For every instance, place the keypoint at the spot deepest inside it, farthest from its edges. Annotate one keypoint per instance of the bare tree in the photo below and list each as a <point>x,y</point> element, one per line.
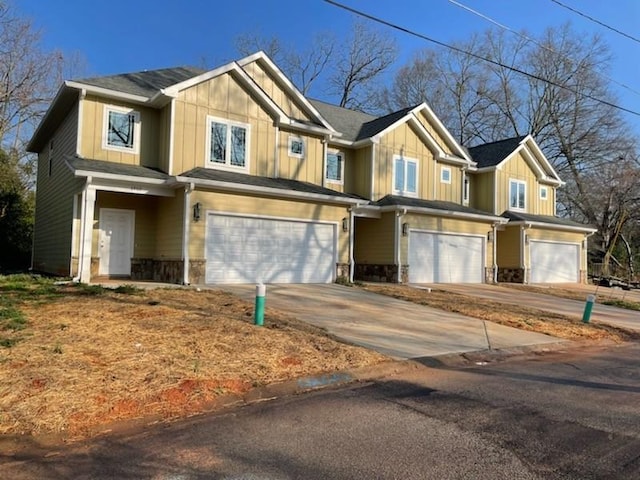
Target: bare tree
<point>366,55</point>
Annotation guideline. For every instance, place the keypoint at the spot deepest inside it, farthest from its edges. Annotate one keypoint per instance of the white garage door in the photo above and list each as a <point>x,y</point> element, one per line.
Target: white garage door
<point>251,250</point>
<point>554,262</point>
<point>445,258</point>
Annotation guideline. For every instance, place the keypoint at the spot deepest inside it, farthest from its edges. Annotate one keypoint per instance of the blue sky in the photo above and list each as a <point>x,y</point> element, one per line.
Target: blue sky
<point>120,36</point>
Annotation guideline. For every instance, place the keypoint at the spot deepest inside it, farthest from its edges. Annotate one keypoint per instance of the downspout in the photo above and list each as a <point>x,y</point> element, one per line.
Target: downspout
<point>523,240</point>
<point>495,253</point>
<point>399,215</point>
<point>325,141</point>
<point>373,169</point>
<point>276,151</point>
<point>352,262</point>
<point>185,236</point>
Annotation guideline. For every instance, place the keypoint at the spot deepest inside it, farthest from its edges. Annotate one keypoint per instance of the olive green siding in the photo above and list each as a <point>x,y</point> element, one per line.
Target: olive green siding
<point>357,171</point>
<point>94,129</point>
<point>508,254</point>
<point>375,239</point>
<point>264,207</point>
<point>221,97</point>
<point>481,192</point>
<point>54,201</point>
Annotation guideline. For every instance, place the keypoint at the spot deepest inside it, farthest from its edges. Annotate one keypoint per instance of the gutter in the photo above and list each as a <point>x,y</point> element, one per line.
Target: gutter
<point>185,233</point>
<point>446,213</point>
<point>552,226</point>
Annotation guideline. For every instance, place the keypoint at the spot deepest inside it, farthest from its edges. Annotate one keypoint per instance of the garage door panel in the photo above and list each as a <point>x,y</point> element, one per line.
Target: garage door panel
<point>445,258</point>
<point>268,250</point>
<point>554,262</point>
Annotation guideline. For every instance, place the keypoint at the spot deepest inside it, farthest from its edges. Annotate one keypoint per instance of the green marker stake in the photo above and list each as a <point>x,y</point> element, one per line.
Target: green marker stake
<point>586,316</point>
<point>261,291</point>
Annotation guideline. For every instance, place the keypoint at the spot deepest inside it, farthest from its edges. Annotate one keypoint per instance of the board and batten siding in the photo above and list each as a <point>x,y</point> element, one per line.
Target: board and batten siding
<point>440,140</point>
<point>222,97</point>
<point>374,240</point>
<point>249,205</point>
<point>272,88</point>
<point>170,225</point>
<point>403,140</point>
<point>481,192</point>
<point>357,171</point>
<point>93,131</point>
<point>55,199</point>
<point>436,224</point>
<point>309,168</point>
<point>509,241</point>
<point>516,168</point>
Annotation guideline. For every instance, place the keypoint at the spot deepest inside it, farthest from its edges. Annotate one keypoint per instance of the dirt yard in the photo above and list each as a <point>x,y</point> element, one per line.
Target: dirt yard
<point>524,318</point>
<point>74,357</point>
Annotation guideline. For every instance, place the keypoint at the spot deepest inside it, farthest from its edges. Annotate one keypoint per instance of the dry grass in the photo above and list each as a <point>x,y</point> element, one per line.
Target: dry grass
<point>616,298</point>
<point>516,316</point>
<point>89,357</point>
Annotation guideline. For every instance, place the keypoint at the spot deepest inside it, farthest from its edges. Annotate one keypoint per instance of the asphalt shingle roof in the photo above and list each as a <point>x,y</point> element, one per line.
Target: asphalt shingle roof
<point>527,217</point>
<point>491,154</point>
<point>145,83</point>
<point>102,166</point>
<point>278,183</point>
<point>389,200</point>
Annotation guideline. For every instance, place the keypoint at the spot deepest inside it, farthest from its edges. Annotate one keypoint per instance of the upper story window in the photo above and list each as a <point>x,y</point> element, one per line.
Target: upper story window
<point>405,176</point>
<point>296,146</point>
<point>445,174</point>
<point>517,194</point>
<point>227,143</point>
<point>465,189</point>
<point>122,129</point>
<point>335,167</point>
<point>544,193</point>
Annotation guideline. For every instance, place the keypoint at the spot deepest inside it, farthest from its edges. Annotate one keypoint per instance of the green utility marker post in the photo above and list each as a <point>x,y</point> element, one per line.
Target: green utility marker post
<point>586,316</point>
<point>261,291</point>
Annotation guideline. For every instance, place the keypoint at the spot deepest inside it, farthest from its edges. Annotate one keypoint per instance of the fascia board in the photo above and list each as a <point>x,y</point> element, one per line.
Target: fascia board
<point>552,226</point>
<point>107,92</point>
<point>445,213</point>
<point>442,129</point>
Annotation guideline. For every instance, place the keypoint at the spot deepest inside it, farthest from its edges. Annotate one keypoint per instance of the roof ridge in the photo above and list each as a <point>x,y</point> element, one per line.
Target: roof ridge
<point>517,137</point>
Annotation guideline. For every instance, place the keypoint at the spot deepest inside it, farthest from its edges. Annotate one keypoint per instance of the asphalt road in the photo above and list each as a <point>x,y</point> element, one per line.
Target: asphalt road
<point>571,416</point>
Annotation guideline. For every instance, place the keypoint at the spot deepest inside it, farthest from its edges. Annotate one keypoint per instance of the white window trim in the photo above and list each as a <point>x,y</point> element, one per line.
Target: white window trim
<point>406,160</point>
<point>544,189</point>
<point>227,165</point>
<point>466,188</point>
<point>135,149</point>
<point>330,180</point>
<point>296,138</point>
<point>442,171</point>
<point>519,182</point>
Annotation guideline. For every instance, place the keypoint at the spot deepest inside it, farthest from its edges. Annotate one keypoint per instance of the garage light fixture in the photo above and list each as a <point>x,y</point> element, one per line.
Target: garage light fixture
<point>405,229</point>
<point>345,224</point>
<point>196,211</point>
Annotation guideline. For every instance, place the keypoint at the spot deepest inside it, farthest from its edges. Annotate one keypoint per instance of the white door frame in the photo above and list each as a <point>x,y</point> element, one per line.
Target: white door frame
<point>132,222</point>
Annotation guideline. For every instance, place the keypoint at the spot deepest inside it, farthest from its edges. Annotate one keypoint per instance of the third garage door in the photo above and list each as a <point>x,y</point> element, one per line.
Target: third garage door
<point>553,262</point>
<point>248,250</point>
<point>445,258</point>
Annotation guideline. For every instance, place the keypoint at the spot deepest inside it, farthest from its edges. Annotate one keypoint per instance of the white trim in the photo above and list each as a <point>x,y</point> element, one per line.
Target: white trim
<point>517,208</point>
<point>276,150</point>
<point>443,213</point>
<point>74,233</point>
<point>106,92</point>
<point>137,126</point>
<point>185,233</point>
<point>340,155</point>
<point>406,161</point>
<point>172,133</point>
<point>373,170</point>
<point>81,96</point>
<point>86,232</point>
<point>101,230</point>
<point>396,244</point>
<point>495,192</point>
<point>227,163</point>
<point>553,226</point>
<point>295,139</point>
<point>134,189</point>
<point>557,242</point>
<point>444,169</point>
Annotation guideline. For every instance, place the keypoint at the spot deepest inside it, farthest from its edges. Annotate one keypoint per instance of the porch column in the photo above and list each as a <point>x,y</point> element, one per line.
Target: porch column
<point>86,232</point>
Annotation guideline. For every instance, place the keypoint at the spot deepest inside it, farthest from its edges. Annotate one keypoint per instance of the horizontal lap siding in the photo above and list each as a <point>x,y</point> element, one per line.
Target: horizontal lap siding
<point>54,201</point>
<point>261,206</point>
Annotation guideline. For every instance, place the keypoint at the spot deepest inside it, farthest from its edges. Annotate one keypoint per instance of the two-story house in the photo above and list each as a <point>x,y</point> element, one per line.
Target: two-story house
<point>233,176</point>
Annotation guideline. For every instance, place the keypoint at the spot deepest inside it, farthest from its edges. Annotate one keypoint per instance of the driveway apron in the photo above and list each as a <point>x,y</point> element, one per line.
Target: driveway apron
<point>393,327</point>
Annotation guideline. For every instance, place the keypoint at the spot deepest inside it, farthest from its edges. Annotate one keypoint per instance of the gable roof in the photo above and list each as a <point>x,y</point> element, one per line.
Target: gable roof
<point>550,221</point>
<point>492,153</point>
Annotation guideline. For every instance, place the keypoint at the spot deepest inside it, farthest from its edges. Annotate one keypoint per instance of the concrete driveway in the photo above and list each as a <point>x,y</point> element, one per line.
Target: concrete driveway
<point>601,313</point>
<point>393,327</point>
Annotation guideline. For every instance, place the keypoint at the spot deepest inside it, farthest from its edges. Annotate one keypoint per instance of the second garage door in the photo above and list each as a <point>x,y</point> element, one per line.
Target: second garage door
<point>249,250</point>
<point>554,262</point>
<point>445,258</point>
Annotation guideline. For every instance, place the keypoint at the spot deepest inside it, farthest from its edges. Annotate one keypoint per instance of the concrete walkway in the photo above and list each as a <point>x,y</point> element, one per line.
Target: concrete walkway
<point>601,313</point>
<point>393,327</point>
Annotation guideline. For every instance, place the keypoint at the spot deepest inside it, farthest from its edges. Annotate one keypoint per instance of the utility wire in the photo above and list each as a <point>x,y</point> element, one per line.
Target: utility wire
<point>534,41</point>
<point>595,20</point>
<point>474,55</point>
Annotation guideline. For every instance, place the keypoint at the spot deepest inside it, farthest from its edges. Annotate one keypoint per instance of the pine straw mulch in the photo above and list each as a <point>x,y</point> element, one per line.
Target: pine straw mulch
<point>90,357</point>
<point>524,318</point>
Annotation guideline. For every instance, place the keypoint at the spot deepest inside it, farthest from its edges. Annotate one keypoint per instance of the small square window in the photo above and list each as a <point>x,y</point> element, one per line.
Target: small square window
<point>445,175</point>
<point>122,127</point>
<point>335,167</point>
<point>296,147</point>
<point>544,193</point>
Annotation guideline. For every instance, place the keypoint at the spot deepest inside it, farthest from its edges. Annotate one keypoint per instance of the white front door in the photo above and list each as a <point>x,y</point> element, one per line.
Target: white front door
<point>116,241</point>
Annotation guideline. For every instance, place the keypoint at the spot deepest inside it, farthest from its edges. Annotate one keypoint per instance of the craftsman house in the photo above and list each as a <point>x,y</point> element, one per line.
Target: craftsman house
<point>233,176</point>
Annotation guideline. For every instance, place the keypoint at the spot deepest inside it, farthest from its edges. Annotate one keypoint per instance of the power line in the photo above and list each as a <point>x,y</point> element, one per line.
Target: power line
<point>474,55</point>
<point>529,39</point>
<point>595,20</point>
